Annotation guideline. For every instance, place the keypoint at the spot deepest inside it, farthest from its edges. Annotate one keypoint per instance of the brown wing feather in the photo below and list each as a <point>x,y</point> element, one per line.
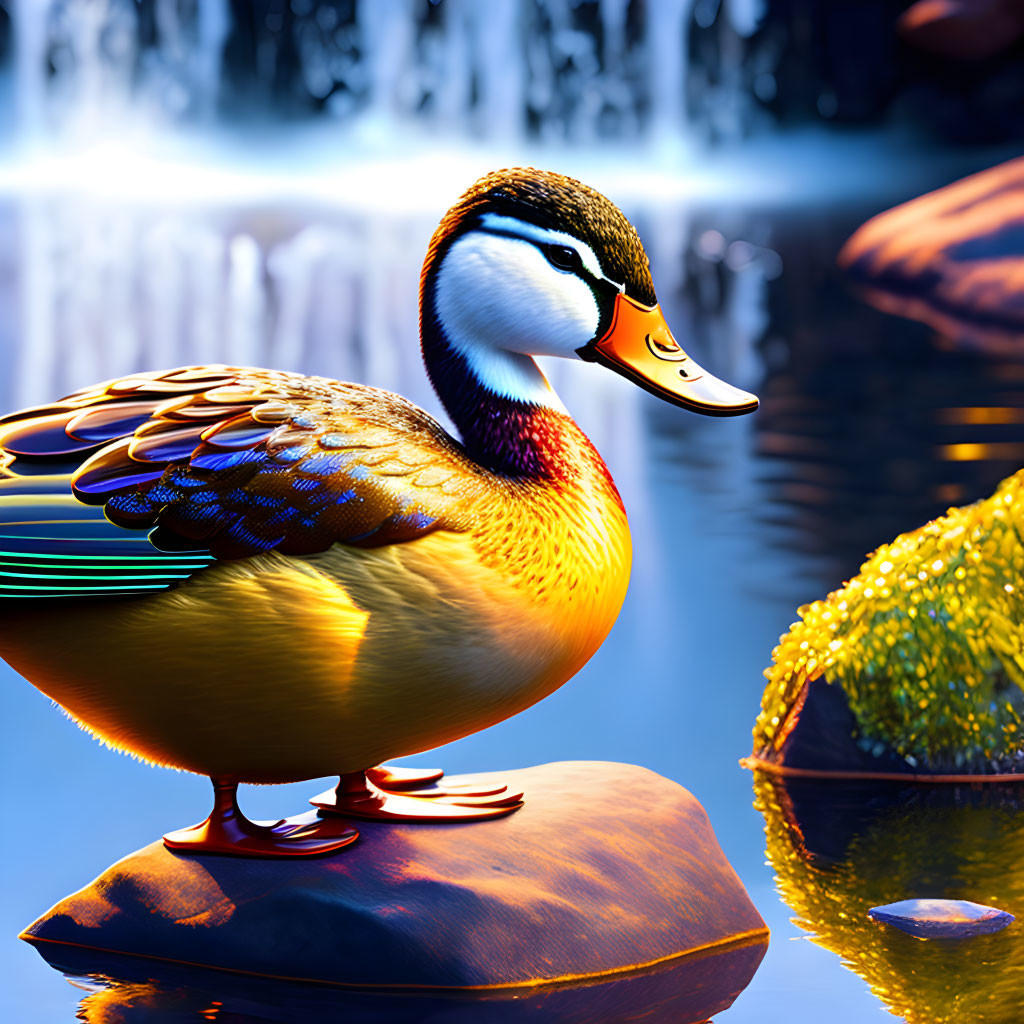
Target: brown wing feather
<point>248,460</point>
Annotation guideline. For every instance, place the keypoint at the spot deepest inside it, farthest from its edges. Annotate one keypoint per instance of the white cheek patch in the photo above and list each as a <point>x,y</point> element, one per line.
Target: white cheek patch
<point>501,293</point>
<point>500,302</point>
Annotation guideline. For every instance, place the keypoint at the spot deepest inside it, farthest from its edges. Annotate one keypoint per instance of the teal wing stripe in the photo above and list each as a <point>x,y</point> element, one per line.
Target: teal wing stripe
<point>85,575</point>
<point>53,546</point>
<point>170,558</point>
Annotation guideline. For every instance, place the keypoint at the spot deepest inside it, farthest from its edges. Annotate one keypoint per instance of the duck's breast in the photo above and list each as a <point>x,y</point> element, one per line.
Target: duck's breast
<point>279,667</point>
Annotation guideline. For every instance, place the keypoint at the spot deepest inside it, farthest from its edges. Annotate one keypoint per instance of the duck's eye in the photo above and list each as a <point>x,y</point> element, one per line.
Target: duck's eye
<point>563,257</point>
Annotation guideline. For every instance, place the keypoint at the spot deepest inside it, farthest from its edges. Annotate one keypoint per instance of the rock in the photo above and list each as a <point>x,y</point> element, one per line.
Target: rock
<point>963,29</point>
<point>820,738</point>
<point>942,919</point>
<point>953,258</point>
<point>908,669</point>
<point>607,870</point>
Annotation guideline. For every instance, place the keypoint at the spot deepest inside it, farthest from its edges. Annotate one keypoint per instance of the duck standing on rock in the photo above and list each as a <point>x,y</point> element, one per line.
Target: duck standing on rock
<point>266,577</point>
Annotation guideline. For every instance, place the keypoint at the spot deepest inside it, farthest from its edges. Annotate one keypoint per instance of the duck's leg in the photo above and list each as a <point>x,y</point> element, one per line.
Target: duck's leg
<point>229,831</point>
<point>358,796</point>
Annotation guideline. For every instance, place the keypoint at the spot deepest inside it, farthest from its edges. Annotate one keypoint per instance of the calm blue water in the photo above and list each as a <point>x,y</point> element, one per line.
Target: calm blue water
<point>735,523</point>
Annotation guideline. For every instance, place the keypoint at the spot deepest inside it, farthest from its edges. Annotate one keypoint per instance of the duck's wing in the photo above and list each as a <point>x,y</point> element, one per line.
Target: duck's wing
<point>229,462</point>
<point>51,545</point>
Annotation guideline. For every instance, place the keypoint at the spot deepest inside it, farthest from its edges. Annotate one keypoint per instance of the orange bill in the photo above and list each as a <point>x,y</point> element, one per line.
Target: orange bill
<point>640,346</point>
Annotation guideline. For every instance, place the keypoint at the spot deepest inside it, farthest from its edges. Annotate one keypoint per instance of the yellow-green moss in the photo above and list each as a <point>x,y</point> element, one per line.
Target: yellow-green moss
<point>927,641</point>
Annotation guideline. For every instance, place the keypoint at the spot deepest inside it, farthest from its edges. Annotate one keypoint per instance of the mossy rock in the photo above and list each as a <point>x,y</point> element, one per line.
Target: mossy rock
<point>916,665</point>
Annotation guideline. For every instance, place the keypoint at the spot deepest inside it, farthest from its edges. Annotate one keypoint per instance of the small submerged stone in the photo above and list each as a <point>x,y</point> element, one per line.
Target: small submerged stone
<point>942,919</point>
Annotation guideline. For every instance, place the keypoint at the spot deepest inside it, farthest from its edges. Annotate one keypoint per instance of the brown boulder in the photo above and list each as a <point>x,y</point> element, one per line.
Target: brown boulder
<point>969,30</point>
<point>608,871</point>
<point>953,258</point>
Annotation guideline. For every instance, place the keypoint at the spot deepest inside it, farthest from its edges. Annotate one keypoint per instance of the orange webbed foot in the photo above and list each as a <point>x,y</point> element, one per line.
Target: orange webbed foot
<point>228,831</point>
<point>387,793</point>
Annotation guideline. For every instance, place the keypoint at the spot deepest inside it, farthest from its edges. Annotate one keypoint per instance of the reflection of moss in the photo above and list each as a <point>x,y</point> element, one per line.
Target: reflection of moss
<point>926,642</point>
<point>916,848</point>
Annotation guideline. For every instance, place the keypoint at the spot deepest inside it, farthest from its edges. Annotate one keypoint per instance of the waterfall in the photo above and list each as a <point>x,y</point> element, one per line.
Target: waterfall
<point>89,67</point>
<point>95,284</point>
<point>495,70</point>
<point>105,285</point>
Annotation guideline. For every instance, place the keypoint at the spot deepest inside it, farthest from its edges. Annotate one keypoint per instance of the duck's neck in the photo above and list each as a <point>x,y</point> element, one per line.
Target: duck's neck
<point>509,418</point>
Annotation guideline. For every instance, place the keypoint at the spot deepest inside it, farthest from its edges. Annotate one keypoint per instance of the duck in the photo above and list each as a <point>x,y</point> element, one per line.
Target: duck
<point>265,577</point>
<point>924,648</point>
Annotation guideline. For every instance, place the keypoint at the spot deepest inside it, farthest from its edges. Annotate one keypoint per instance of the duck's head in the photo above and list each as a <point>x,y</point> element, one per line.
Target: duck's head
<point>530,262</point>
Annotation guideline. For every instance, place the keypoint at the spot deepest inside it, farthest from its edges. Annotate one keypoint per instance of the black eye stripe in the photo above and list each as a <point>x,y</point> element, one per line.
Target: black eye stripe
<point>600,284</point>
<point>564,257</point>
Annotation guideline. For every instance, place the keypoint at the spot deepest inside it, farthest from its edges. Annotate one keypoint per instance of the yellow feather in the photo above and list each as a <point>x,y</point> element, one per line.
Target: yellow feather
<point>278,668</point>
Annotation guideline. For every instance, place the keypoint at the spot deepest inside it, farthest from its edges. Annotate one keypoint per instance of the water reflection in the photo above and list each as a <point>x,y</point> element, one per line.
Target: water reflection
<point>120,990</point>
<point>105,288</point>
<point>869,427</point>
<point>838,850</point>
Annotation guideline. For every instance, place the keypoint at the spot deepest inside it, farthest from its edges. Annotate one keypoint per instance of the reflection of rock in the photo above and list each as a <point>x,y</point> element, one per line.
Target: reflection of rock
<point>924,652</point>
<point>953,258</point>
<point>607,869</point>
<point>126,991</point>
<point>902,842</point>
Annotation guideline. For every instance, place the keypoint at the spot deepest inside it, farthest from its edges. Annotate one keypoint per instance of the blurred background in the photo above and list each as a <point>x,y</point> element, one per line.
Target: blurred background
<point>255,182</point>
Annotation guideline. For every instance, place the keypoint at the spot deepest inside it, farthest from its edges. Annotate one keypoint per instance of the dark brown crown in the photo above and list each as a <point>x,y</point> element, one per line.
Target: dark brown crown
<point>554,201</point>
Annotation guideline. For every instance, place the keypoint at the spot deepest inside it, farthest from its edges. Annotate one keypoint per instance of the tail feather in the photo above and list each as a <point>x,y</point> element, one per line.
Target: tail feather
<point>51,545</point>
